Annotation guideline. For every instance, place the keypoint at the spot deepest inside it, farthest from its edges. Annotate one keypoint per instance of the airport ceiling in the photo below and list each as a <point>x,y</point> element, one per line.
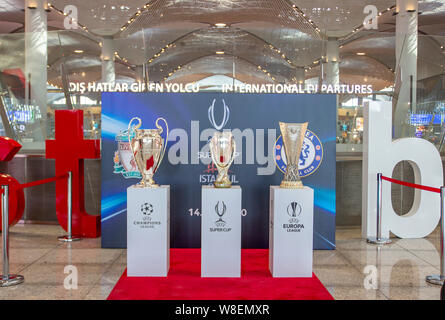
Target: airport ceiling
<point>262,40</point>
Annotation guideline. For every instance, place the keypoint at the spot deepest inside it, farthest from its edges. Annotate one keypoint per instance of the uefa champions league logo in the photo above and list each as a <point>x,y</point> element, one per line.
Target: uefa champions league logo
<point>310,158</point>
<point>147,219</point>
<point>147,208</point>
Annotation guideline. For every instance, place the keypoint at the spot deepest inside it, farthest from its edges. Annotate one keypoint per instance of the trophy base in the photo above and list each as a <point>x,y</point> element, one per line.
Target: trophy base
<point>222,184</point>
<point>147,184</point>
<point>291,184</point>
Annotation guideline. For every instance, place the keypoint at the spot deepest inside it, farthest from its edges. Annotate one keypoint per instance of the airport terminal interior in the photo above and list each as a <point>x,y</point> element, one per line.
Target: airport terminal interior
<point>353,55</point>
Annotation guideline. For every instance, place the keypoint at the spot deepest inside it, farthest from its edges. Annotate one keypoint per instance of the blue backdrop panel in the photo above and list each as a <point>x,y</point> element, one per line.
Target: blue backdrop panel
<point>253,118</point>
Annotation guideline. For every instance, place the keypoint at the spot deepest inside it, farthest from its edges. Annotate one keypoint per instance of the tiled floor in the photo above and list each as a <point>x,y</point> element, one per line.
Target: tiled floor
<point>355,270</point>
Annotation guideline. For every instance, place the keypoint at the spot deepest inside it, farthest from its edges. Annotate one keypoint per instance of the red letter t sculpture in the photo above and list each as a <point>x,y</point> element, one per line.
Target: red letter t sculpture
<point>69,149</point>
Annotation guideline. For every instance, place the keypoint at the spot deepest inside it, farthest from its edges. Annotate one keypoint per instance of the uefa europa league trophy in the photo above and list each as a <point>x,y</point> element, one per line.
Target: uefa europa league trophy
<point>222,149</point>
<point>293,137</point>
<point>148,149</point>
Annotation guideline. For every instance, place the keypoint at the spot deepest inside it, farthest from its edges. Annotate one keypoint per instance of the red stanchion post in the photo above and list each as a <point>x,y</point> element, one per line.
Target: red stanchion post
<point>378,239</point>
<point>439,279</point>
<point>69,237</point>
<point>6,279</point>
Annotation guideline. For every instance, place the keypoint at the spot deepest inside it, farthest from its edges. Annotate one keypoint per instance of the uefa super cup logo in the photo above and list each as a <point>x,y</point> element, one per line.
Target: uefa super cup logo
<point>220,211</point>
<point>211,114</point>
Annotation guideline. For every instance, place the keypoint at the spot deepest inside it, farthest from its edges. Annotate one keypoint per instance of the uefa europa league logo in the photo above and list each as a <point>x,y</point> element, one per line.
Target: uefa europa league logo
<point>294,211</point>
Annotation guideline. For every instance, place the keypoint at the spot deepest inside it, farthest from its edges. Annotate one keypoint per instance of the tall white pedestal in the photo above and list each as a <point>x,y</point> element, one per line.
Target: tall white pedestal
<point>148,231</point>
<point>291,232</point>
<point>221,232</point>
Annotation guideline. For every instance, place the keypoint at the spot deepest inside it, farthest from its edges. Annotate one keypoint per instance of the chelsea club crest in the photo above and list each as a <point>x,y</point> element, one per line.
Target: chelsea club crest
<point>310,158</point>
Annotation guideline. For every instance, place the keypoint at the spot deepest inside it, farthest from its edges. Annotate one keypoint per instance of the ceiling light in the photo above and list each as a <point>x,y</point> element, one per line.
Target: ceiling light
<point>220,25</point>
<point>78,51</point>
<point>361,53</point>
<point>219,52</point>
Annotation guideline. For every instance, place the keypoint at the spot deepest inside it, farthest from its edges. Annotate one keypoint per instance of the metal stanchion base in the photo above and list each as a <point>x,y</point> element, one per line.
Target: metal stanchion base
<point>435,279</point>
<point>11,280</point>
<point>374,240</point>
<point>68,238</point>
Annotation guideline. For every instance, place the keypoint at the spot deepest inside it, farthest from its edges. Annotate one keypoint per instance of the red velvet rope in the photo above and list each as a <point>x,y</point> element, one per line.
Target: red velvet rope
<point>411,185</point>
<point>37,183</point>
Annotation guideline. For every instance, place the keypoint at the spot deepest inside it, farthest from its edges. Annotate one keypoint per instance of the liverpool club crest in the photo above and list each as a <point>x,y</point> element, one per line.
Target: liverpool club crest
<point>124,162</point>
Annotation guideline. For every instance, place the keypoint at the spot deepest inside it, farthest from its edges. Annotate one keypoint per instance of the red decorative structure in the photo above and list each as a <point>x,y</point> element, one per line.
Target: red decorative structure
<point>70,149</point>
<point>8,149</point>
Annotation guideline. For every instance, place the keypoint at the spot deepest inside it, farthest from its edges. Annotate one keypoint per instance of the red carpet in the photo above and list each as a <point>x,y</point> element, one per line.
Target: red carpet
<point>184,282</point>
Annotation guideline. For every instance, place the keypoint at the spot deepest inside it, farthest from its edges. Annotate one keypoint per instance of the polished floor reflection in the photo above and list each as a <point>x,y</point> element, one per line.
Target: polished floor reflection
<point>356,270</point>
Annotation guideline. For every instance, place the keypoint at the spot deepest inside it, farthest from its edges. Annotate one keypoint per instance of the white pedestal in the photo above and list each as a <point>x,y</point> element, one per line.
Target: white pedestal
<point>148,231</point>
<point>221,232</point>
<point>291,232</point>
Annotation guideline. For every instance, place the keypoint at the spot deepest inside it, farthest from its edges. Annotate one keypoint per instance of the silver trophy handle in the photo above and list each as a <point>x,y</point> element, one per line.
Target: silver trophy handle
<point>130,128</point>
<point>166,138</point>
<point>232,158</point>
<point>210,148</point>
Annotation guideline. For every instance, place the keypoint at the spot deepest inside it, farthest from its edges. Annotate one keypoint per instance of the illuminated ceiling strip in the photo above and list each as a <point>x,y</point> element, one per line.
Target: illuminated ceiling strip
<point>139,11</point>
<point>184,66</point>
<point>150,4</point>
<point>304,17</point>
<point>173,44</point>
<point>84,28</point>
<point>361,26</point>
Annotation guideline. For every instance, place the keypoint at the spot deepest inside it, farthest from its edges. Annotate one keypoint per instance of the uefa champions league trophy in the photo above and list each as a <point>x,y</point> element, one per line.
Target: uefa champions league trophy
<point>148,148</point>
<point>222,149</point>
<point>293,137</point>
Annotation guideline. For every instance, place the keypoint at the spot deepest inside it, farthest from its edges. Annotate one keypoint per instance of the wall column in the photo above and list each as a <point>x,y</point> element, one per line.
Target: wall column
<point>108,67</point>
<point>406,64</point>
<point>140,73</point>
<point>300,75</point>
<point>331,66</point>
<point>36,60</point>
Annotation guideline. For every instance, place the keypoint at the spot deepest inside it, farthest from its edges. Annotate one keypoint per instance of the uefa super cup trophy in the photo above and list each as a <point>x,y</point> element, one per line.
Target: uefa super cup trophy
<point>148,148</point>
<point>293,137</point>
<point>222,149</point>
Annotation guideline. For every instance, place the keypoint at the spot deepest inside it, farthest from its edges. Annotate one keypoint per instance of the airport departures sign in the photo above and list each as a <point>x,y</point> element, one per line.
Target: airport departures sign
<point>194,87</point>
